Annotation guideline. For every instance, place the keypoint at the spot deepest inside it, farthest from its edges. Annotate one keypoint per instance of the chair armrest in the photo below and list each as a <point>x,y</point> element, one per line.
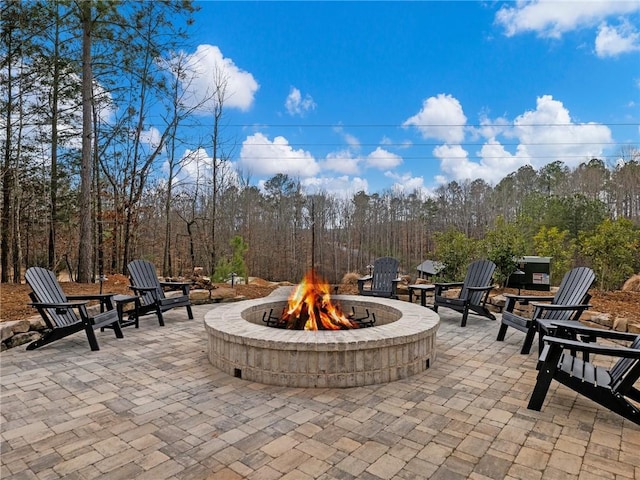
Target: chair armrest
<point>555,307</point>
<point>106,299</point>
<point>450,284</point>
<point>481,289</point>
<point>91,296</point>
<point>581,329</point>
<point>609,350</point>
<point>441,287</point>
<point>540,308</point>
<point>140,291</point>
<point>525,299</point>
<point>512,299</point>
<point>58,306</point>
<point>365,278</point>
<point>184,286</point>
<point>175,285</point>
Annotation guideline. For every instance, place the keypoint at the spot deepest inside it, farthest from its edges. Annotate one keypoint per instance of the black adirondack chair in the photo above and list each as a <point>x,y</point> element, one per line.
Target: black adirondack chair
<point>571,299</point>
<point>384,280</point>
<point>473,294</point>
<point>67,314</point>
<point>612,388</point>
<point>145,283</point>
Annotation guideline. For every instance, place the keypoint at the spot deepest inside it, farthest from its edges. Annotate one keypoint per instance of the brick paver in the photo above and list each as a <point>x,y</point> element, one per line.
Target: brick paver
<point>151,406</point>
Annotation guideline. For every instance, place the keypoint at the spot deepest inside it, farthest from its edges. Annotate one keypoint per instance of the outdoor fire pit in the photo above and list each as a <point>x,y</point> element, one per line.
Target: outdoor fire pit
<point>400,344</point>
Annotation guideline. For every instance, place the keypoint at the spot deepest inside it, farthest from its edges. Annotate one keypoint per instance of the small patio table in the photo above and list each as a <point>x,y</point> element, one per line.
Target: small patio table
<point>121,301</point>
<point>423,288</point>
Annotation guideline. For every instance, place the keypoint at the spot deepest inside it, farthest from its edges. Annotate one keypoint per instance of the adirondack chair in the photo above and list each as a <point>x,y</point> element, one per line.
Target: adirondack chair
<point>67,314</point>
<point>612,388</point>
<point>571,299</point>
<point>383,281</point>
<point>474,292</point>
<point>145,284</point>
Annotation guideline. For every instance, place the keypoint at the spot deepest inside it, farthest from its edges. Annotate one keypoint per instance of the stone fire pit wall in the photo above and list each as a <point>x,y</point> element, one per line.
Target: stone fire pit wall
<point>402,344</point>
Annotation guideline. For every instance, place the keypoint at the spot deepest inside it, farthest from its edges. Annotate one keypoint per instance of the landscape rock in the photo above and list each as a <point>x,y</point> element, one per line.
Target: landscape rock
<point>37,323</point>
<point>632,284</point>
<point>8,329</point>
<point>5,331</point>
<point>22,338</point>
<point>223,293</point>
<point>620,324</point>
<point>603,319</point>
<point>200,296</point>
<point>498,301</point>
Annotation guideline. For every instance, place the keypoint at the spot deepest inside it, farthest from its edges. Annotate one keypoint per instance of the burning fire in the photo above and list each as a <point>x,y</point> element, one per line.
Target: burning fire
<point>310,307</point>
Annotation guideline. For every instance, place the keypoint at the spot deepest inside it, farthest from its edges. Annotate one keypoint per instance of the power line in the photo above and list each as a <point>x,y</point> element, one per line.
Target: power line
<point>428,157</point>
<point>428,125</point>
<point>437,144</point>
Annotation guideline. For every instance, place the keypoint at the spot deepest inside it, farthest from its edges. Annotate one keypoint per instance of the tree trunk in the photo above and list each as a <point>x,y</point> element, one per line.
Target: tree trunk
<point>53,184</point>
<point>7,176</point>
<point>99,234</point>
<point>85,244</point>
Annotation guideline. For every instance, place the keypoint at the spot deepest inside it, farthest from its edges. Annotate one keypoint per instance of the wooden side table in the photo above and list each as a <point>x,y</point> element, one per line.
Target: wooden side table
<point>423,288</point>
<point>121,301</point>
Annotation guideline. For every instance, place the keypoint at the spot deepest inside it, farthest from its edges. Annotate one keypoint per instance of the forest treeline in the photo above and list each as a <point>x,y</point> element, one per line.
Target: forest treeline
<point>84,189</point>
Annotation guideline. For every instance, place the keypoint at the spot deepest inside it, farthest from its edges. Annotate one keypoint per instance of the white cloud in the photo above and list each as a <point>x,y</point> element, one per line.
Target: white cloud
<point>551,18</point>
<point>494,163</point>
<point>341,187</point>
<point>296,105</point>
<point>196,167</point>
<point>613,41</point>
<point>441,117</point>
<point>406,183</point>
<point>541,136</point>
<point>455,163</point>
<point>351,140</point>
<point>383,159</point>
<point>151,137</point>
<point>548,133</point>
<point>347,162</point>
<point>261,156</point>
<point>490,128</point>
<point>342,161</point>
<point>207,66</point>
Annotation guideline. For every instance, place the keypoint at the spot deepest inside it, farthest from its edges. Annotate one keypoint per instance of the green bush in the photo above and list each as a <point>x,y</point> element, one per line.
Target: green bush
<point>551,242</point>
<point>504,245</point>
<point>613,250</point>
<point>456,251</point>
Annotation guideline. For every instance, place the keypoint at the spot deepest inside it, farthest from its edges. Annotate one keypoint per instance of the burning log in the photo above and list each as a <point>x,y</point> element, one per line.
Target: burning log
<point>310,307</point>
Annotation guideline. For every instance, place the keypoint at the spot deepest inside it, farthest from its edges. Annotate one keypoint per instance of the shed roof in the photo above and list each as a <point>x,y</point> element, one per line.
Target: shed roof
<point>430,267</point>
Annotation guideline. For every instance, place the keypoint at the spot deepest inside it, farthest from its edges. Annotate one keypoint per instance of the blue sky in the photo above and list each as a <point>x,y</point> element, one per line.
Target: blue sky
<point>350,96</point>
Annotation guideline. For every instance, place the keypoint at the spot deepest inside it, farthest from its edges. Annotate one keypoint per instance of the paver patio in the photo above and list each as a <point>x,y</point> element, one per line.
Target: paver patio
<point>150,406</point>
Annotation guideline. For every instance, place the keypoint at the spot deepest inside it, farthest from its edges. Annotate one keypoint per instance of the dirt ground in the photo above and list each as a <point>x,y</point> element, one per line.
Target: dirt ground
<point>14,298</point>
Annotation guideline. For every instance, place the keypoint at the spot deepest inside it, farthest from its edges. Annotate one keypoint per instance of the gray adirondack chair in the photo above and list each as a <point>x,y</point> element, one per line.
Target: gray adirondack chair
<point>145,284</point>
<point>67,314</point>
<point>612,388</point>
<point>474,292</point>
<point>571,299</point>
<point>383,282</point>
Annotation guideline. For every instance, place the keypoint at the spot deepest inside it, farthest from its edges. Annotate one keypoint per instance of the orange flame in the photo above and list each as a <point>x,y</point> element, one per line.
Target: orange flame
<point>310,307</point>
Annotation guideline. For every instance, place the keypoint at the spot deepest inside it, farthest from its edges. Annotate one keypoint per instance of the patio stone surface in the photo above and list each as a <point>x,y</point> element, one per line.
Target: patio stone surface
<point>151,406</point>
